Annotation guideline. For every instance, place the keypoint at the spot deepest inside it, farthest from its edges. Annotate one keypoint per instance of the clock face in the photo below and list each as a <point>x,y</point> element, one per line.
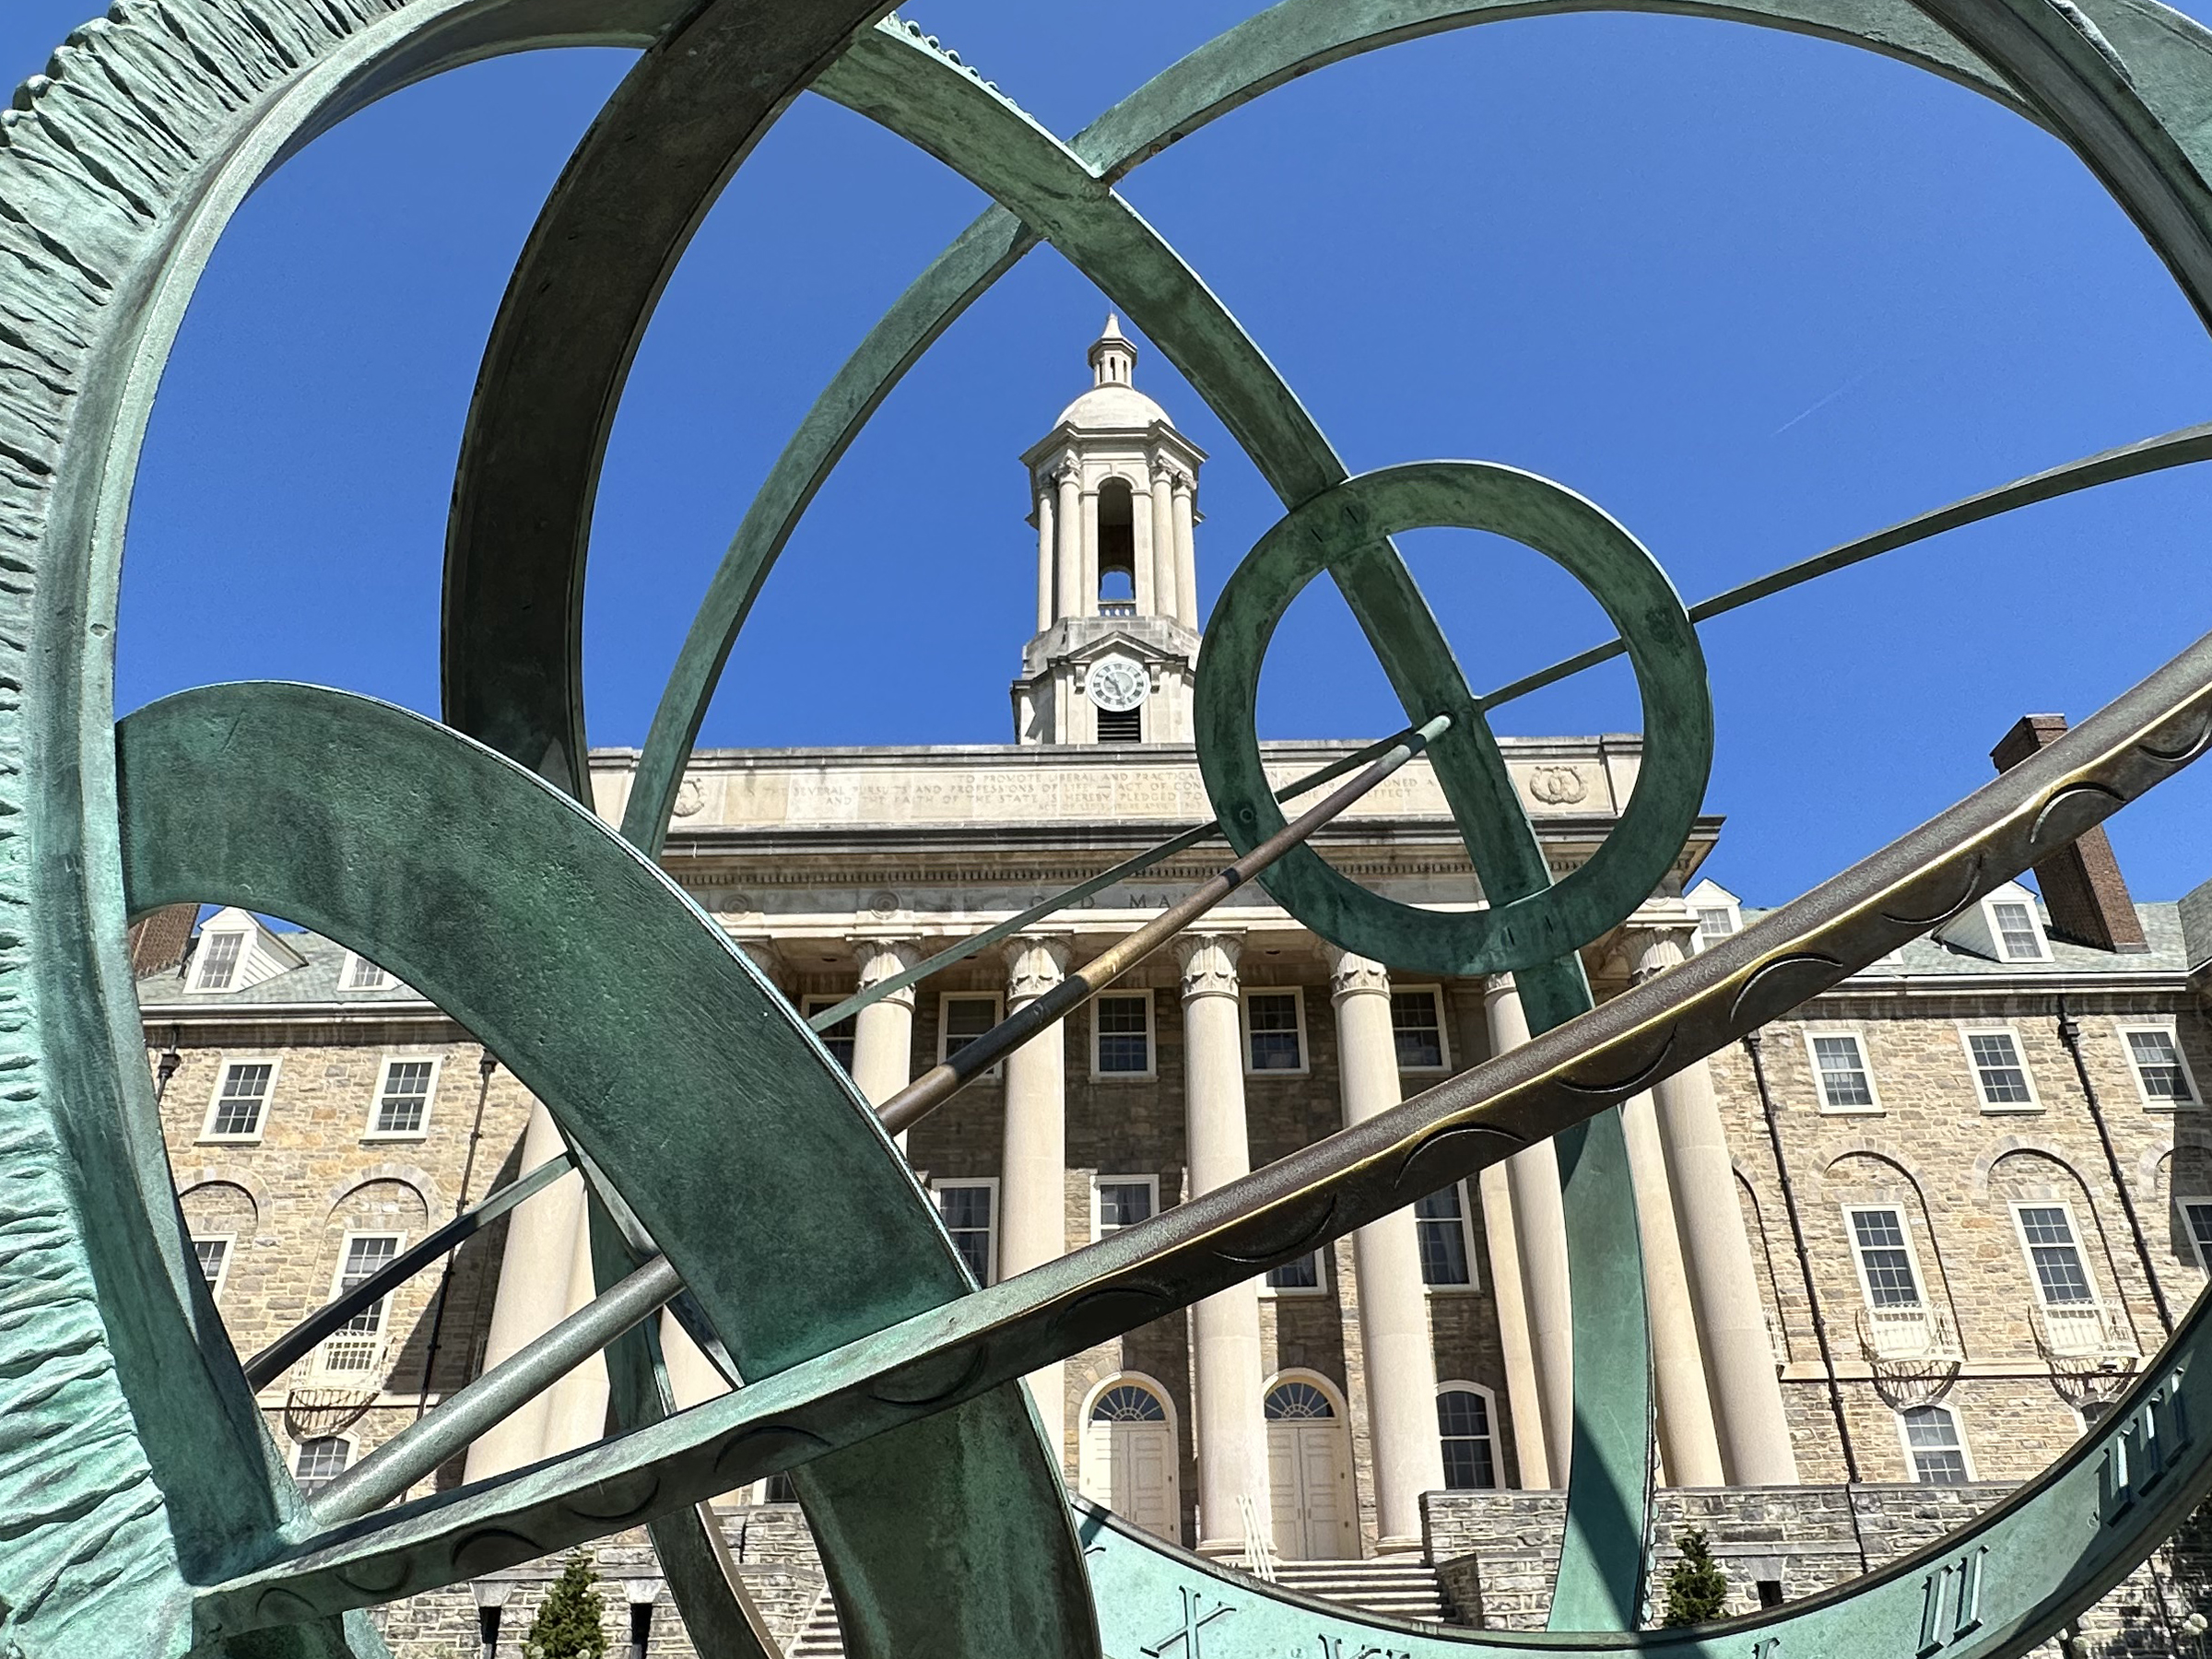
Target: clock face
<point>1117,684</point>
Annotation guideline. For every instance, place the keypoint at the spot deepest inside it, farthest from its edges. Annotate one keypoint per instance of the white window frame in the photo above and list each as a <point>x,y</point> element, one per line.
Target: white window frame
<point>1812,1059</point>
<point>1297,994</point>
<point>2035,924</point>
<point>1151,1071</point>
<point>2182,1202</point>
<point>229,1243</point>
<point>1444,1029</point>
<point>429,1099</point>
<point>200,956</point>
<point>998,1012</point>
<point>1904,1440</point>
<point>1320,1287</point>
<point>1489,1404</point>
<point>811,1005</point>
<point>352,1442</point>
<point>383,1305</point>
<point>385,980</point>
<point>2081,1252</point>
<point>1467,1237</point>
<point>1105,1178</point>
<point>1967,1033</point>
<point>1858,1258</point>
<point>990,1185</point>
<point>2171,1029</point>
<point>215,1098</point>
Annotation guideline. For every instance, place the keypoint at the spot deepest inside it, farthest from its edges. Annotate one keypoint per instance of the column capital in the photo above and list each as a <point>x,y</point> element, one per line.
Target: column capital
<point>880,959</point>
<point>1354,975</point>
<point>1035,963</point>
<point>1209,963</point>
<point>1498,985</point>
<point>1653,950</point>
<point>760,951</point>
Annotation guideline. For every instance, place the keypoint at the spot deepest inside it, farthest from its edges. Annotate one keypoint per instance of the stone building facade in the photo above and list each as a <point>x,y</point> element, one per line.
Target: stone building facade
<point>1910,1239</point>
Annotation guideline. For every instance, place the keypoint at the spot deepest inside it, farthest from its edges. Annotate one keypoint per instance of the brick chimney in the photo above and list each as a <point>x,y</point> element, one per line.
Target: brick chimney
<point>159,940</point>
<point>2083,890</point>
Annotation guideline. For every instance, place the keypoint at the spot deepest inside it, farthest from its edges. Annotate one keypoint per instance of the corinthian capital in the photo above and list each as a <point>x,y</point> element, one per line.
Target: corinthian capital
<point>1653,950</point>
<point>880,959</point>
<point>1209,963</point>
<point>1035,963</point>
<point>1349,974</point>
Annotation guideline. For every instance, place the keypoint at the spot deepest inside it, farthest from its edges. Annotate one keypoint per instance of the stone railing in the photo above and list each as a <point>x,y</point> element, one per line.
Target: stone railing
<point>1916,1332</point>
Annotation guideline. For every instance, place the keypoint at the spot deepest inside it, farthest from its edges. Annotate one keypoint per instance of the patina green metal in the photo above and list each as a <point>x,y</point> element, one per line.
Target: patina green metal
<point>155,1515</point>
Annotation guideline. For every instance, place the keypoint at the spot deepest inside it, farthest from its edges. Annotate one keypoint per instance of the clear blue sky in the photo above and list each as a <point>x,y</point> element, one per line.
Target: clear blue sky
<point>1753,294</point>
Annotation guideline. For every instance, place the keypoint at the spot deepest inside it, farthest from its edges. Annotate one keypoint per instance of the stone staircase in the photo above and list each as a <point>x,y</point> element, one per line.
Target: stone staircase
<point>1393,1586</point>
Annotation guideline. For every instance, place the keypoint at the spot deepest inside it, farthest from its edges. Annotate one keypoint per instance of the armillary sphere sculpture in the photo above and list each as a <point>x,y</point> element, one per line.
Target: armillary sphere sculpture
<point>142,1508</point>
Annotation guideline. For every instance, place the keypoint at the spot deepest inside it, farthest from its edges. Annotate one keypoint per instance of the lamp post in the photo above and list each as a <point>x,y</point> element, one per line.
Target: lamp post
<point>643,1592</point>
<point>492,1596</point>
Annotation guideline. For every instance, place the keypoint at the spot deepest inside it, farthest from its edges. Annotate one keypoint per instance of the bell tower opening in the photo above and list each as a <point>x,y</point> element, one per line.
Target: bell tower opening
<point>1117,550</point>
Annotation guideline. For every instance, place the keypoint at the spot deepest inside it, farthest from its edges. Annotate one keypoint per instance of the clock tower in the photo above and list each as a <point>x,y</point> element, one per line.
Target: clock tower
<point>1114,487</point>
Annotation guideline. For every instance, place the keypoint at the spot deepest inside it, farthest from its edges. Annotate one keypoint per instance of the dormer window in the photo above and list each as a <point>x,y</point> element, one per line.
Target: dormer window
<point>2019,938</point>
<point>219,956</point>
<point>2006,926</point>
<point>1719,913</point>
<point>361,974</point>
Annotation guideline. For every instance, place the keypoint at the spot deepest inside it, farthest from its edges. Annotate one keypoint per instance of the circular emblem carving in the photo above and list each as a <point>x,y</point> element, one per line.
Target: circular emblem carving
<point>689,799</point>
<point>1117,684</point>
<point>1558,785</point>
<point>883,904</point>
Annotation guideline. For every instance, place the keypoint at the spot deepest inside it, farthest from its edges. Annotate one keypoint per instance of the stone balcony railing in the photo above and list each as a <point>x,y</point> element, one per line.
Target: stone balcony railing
<point>1906,1334</point>
<point>2088,1329</point>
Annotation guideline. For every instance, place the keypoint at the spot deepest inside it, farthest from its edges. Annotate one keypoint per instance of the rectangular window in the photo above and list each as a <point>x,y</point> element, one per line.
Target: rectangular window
<point>1416,1025</point>
<point>239,1100</point>
<point>2047,1234</point>
<point>220,955</point>
<point>214,1257</point>
<point>2198,1213</point>
<point>968,1209</point>
<point>403,1103</point>
<point>1274,1031</point>
<point>1885,1259</point>
<point>361,974</point>
<point>355,1346</point>
<point>320,1461</point>
<point>1119,1201</point>
<point>961,1019</point>
<point>1122,1028</point>
<point>1932,1438</point>
<point>1715,924</point>
<point>1303,1275</point>
<point>1999,1073</point>
<point>1840,1065</point>
<point>837,1039</point>
<point>1440,1220</point>
<point>2017,938</point>
<point>2159,1072</point>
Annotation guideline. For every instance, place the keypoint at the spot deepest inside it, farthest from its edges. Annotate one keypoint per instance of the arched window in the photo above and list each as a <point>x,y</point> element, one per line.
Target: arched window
<point>1463,1422</point>
<point>1128,1403</point>
<point>1934,1445</point>
<point>1295,1401</point>
<point>1117,550</point>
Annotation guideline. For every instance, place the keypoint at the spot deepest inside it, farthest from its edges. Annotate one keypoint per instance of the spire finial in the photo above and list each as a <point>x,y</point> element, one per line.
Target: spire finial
<point>1112,356</point>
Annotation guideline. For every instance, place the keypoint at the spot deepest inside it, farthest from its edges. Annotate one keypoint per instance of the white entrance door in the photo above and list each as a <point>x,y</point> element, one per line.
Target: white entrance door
<point>1309,1478</point>
<point>1129,1461</point>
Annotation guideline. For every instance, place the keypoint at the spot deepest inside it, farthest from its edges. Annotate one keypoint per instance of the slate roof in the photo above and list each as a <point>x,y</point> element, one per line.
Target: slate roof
<point>315,980</point>
<point>2163,931</point>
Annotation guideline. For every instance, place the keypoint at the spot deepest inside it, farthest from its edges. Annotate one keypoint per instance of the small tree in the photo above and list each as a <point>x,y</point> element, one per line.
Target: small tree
<point>567,1626</point>
<point>1697,1590</point>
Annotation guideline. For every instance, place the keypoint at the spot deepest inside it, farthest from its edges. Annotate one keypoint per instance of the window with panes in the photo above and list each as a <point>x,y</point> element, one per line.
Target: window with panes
<point>1714,923</point>
<point>219,956</point>
<point>1844,1082</point>
<point>1124,1034</point>
<point>361,974</point>
<point>1272,1031</point>
<point>1302,1275</point>
<point>1462,1422</point>
<point>1999,1072</point>
<point>354,1345</point>
<point>1417,1027</point>
<point>1441,1222</point>
<point>966,1208</point>
<point>1122,1204</point>
<point>2017,935</point>
<point>2198,1213</point>
<point>966,1018</point>
<point>2157,1061</point>
<point>403,1104</point>
<point>1884,1258</point>
<point>1938,1455</point>
<point>2047,1234</point>
<point>320,1461</point>
<point>239,1101</point>
<point>212,1255</point>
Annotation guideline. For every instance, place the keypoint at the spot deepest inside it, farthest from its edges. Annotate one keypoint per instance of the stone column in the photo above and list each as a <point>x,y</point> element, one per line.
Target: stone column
<point>1232,1436</point>
<point>1045,549</point>
<point>1741,1378</point>
<point>1151,602</point>
<point>576,1406</point>
<point>1186,556</point>
<point>1089,543</point>
<point>532,1295</point>
<point>1166,591</point>
<point>1540,1224</point>
<point>1686,1440</point>
<point>883,1032</point>
<point>1386,1255</point>
<point>1523,1399</point>
<point>1067,543</point>
<point>1032,1186</point>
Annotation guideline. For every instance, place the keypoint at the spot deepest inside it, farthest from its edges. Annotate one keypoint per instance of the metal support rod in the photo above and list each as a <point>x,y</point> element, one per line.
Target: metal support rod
<point>387,1472</point>
<point>290,1348</point>
<point>932,1087</point>
<point>2069,1033</point>
<point>967,947</point>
